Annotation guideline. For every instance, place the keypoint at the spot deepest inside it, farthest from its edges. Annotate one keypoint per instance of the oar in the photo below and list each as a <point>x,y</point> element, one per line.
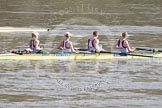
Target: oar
<point>122,54</point>
<point>141,55</point>
<point>149,49</point>
<point>81,49</point>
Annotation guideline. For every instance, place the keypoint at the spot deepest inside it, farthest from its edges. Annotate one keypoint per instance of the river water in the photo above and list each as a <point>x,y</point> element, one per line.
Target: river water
<point>79,84</point>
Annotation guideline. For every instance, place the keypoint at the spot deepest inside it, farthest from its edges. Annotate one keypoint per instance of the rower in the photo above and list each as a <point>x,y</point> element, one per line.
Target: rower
<point>66,45</point>
<point>93,43</point>
<point>34,43</point>
<point>123,44</point>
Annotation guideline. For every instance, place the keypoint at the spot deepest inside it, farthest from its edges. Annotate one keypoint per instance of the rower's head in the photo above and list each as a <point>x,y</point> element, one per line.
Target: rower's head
<point>124,35</point>
<point>68,34</point>
<point>95,34</point>
<point>35,35</point>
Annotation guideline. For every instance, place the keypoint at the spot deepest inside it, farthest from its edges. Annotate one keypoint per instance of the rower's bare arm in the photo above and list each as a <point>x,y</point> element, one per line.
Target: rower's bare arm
<point>37,45</point>
<point>71,46</point>
<point>60,45</point>
<point>97,45</point>
<point>130,49</point>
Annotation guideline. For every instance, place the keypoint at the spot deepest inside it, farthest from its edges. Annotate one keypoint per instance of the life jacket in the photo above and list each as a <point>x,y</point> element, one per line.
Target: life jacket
<point>121,46</point>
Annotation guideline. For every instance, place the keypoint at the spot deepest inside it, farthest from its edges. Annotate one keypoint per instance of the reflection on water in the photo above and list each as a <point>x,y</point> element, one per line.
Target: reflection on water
<point>72,83</point>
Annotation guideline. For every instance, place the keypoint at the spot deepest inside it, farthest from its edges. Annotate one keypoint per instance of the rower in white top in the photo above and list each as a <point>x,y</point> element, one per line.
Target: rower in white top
<point>34,44</point>
<point>66,45</point>
<point>93,43</point>
<point>123,45</point>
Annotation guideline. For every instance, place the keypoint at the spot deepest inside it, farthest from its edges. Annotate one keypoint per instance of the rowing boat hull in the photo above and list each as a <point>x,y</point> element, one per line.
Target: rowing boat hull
<point>60,56</point>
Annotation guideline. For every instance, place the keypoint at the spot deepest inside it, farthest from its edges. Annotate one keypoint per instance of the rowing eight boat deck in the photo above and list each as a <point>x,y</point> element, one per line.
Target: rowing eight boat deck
<point>66,56</point>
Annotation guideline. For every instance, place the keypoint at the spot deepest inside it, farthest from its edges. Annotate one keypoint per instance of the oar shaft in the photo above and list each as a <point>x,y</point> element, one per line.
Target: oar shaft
<point>82,49</point>
<point>140,55</point>
<point>123,54</point>
<point>145,49</point>
<point>149,49</point>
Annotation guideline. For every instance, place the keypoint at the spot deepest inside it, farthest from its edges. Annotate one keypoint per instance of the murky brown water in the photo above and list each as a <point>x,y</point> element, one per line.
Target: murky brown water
<point>46,13</point>
<point>66,84</point>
